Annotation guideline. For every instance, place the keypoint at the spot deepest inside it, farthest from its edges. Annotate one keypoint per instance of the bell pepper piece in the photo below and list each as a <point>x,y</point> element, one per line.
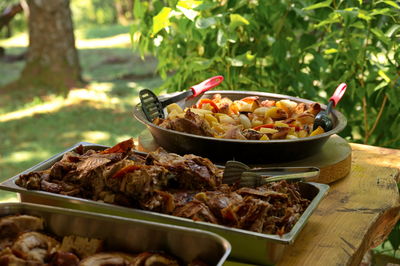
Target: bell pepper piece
<point>265,125</point>
<point>209,101</point>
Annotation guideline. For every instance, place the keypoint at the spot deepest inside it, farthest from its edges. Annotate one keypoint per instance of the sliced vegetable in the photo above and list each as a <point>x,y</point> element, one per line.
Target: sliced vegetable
<point>209,101</point>
<point>318,131</point>
<point>125,170</point>
<point>264,126</point>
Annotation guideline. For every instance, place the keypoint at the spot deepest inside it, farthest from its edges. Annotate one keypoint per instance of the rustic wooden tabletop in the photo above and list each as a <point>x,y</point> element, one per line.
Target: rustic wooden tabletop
<point>358,213</point>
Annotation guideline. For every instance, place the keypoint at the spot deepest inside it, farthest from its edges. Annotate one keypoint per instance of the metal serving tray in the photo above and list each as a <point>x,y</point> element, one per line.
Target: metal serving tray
<point>247,246</point>
<point>128,235</point>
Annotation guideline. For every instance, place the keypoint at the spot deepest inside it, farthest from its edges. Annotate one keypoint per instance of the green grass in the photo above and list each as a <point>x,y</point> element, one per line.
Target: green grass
<point>33,128</point>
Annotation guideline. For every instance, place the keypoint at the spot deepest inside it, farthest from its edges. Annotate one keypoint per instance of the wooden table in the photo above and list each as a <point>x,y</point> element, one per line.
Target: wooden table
<point>358,213</point>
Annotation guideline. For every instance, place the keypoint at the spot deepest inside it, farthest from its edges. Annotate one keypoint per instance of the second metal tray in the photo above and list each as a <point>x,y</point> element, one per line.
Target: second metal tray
<point>247,246</point>
<point>127,235</point>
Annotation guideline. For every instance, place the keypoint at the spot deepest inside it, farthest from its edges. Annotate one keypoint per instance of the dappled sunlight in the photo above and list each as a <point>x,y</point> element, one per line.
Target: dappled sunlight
<point>51,106</point>
<point>96,93</point>
<point>117,41</point>
<point>23,156</point>
<point>121,40</point>
<point>95,136</point>
<point>18,40</point>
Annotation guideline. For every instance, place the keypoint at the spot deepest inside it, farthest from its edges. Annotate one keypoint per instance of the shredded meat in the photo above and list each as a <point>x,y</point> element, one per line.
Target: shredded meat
<point>187,186</point>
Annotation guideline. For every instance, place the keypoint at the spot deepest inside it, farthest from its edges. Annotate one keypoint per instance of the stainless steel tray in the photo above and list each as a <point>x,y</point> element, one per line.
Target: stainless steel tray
<point>128,235</point>
<point>247,246</point>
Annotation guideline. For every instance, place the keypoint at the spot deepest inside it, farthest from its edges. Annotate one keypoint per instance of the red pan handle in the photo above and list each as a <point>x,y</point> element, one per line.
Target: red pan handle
<point>206,85</point>
<point>338,93</point>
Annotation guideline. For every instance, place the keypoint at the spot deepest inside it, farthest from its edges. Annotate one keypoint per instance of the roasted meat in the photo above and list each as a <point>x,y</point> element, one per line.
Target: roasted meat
<point>187,186</point>
<point>34,246</point>
<point>109,258</point>
<point>81,246</point>
<point>36,249</point>
<point>188,171</point>
<point>190,123</point>
<point>12,226</point>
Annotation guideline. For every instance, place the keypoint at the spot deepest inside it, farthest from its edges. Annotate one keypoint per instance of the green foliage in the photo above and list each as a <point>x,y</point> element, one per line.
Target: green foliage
<point>303,48</point>
<point>89,12</point>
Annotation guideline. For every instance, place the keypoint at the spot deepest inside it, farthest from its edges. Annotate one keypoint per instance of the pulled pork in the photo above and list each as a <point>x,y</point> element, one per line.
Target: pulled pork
<point>187,186</point>
<point>28,244</point>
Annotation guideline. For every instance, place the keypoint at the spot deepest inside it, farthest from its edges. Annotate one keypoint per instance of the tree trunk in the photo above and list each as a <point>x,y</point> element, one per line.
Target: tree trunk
<point>52,59</point>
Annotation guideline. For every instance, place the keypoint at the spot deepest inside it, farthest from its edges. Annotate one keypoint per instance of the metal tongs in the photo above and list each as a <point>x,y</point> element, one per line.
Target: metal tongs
<point>244,176</point>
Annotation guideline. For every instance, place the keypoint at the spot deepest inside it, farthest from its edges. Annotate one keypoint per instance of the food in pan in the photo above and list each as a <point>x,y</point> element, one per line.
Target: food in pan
<point>187,186</point>
<point>24,241</point>
<point>245,119</point>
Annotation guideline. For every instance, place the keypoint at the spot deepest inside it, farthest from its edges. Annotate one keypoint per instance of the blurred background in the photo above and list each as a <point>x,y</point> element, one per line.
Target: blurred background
<point>71,69</point>
<point>38,120</point>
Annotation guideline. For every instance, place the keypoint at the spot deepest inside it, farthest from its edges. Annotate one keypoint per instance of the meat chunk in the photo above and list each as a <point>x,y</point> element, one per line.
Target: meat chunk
<point>154,259</point>
<point>61,258</point>
<point>251,134</point>
<point>196,211</point>
<point>7,257</point>
<point>82,246</point>
<point>189,171</point>
<point>12,226</point>
<point>190,123</point>
<point>35,246</point>
<point>160,201</point>
<point>109,258</point>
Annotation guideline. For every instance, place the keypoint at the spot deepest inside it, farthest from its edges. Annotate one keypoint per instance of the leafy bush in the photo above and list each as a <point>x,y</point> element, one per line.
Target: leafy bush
<point>303,48</point>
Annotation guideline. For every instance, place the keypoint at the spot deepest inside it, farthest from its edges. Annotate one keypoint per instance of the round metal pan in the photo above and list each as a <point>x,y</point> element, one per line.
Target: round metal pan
<point>247,151</point>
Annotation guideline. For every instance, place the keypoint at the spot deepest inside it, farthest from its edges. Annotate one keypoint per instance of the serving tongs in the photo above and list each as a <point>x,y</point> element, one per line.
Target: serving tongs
<point>153,107</point>
<point>244,176</point>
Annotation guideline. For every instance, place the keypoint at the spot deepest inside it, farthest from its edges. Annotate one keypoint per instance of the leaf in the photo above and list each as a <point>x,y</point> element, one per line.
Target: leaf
<point>389,33</point>
<point>189,4</point>
<point>187,8</point>
<point>331,51</point>
<point>199,63</point>
<point>236,21</point>
<point>232,37</point>
<point>333,18</point>
<point>380,35</point>
<point>384,76</point>
<point>189,13</point>
<point>382,11</point>
<point>206,6</point>
<point>307,40</point>
<point>364,15</point>
<point>358,25</point>
<point>279,50</point>
<point>392,3</point>
<point>326,3</point>
<point>138,9</point>
<point>221,38</point>
<point>161,20</point>
<point>236,62</point>
<point>203,23</point>
<point>241,60</point>
<point>373,89</point>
